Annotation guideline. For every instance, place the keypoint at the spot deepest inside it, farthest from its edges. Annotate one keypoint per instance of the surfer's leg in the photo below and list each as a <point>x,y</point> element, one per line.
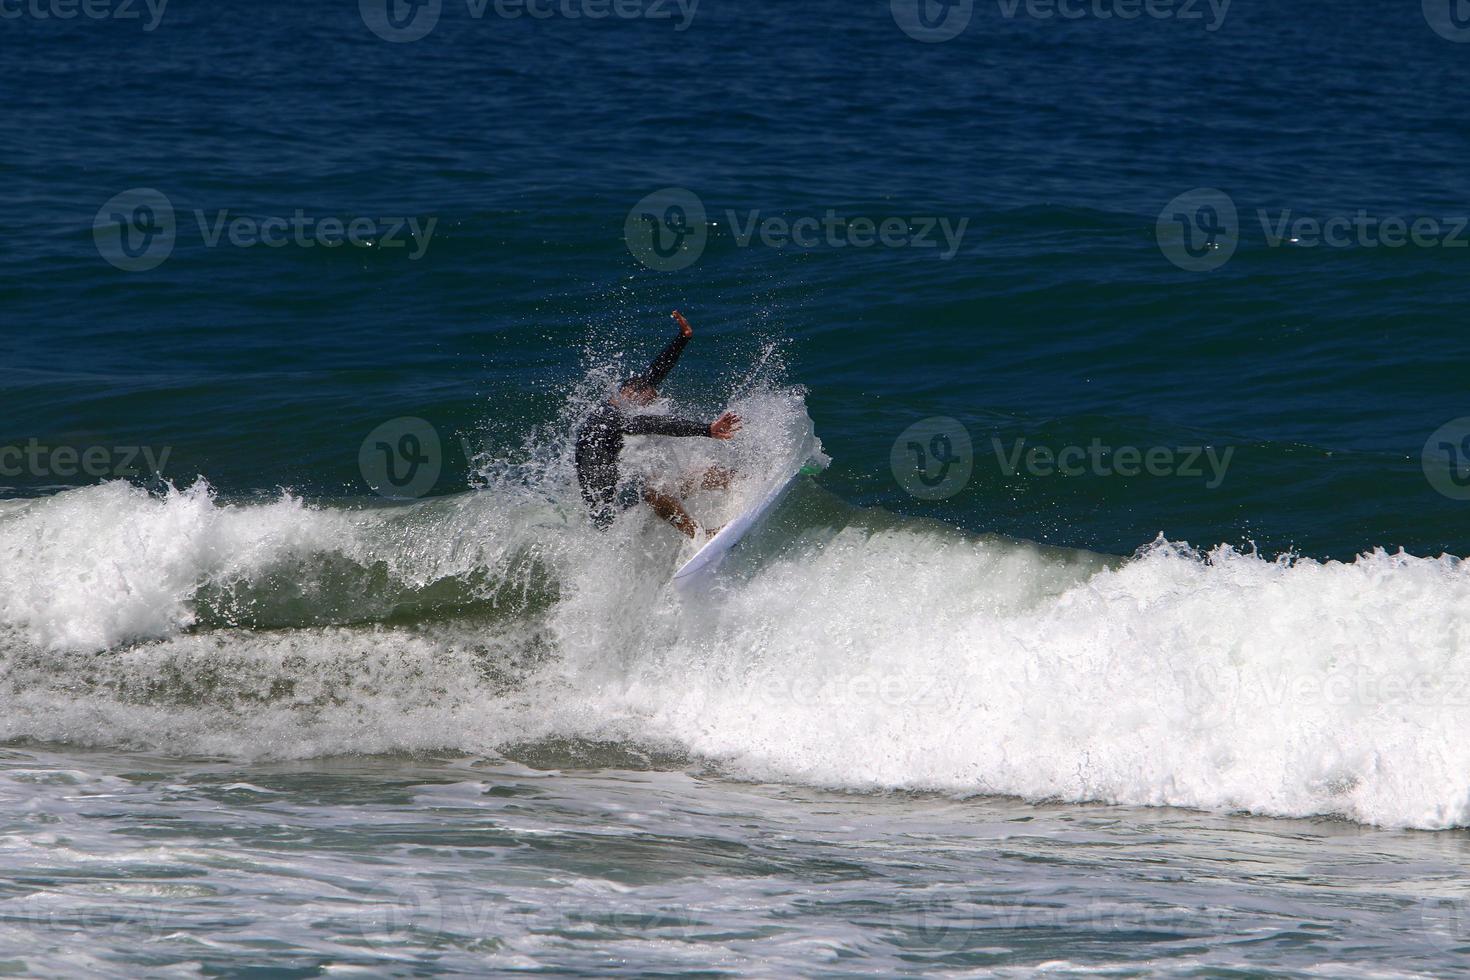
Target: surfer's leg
<point>670,509</point>
<point>714,478</point>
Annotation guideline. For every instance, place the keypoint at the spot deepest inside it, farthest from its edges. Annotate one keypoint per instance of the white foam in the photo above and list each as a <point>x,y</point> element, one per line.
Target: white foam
<point>91,568</point>
<point>869,654</point>
<point>888,662</point>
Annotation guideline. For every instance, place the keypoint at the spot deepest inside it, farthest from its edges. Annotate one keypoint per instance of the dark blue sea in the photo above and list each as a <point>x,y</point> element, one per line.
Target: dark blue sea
<point>1117,625</point>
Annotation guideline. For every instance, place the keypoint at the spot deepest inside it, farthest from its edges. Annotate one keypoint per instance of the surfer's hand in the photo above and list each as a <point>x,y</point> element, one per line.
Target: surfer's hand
<point>725,426</point>
<point>684,327</point>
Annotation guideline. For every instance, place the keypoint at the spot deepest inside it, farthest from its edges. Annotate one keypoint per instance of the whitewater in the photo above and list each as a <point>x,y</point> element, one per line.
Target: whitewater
<point>843,649</point>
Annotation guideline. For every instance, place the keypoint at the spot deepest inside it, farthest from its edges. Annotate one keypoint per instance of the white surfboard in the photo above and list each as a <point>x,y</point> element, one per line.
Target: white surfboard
<point>708,558</point>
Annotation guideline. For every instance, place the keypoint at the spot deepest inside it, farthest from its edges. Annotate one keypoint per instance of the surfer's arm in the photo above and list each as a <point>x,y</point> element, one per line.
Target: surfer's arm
<point>663,425</point>
<point>723,427</point>
<point>664,363</point>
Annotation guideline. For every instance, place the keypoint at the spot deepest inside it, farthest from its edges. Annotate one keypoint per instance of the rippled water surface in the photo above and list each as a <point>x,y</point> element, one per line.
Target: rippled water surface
<point>145,864</point>
<point>262,715</point>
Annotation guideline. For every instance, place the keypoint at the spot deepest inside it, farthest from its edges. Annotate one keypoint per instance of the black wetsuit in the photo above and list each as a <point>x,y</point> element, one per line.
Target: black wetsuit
<point>600,439</point>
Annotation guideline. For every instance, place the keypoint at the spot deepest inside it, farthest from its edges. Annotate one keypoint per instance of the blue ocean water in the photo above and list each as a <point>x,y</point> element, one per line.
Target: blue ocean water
<point>530,140</point>
<point>1147,470</point>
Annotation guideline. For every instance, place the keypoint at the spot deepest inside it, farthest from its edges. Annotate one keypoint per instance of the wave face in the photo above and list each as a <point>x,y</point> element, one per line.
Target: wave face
<point>843,648</point>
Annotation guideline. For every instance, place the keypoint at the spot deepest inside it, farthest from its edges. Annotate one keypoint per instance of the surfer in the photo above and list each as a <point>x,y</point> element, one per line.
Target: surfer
<point>600,441</point>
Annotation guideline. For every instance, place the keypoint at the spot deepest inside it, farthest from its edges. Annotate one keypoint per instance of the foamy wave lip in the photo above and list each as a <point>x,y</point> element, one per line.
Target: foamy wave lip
<point>92,568</point>
<point>1217,681</point>
<point>890,655</point>
<point>870,653</point>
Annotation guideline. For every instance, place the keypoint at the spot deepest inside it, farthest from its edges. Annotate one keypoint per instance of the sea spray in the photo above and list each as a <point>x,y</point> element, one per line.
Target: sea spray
<point>850,649</point>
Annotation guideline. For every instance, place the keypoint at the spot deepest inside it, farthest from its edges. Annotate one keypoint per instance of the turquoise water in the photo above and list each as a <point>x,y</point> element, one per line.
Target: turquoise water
<point>1120,629</point>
